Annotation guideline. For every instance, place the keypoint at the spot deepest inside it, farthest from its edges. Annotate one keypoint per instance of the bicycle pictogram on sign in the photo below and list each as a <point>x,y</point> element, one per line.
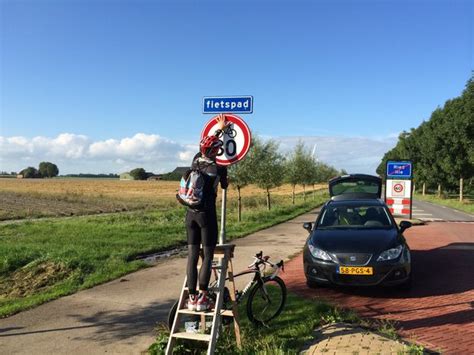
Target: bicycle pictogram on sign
<point>236,139</point>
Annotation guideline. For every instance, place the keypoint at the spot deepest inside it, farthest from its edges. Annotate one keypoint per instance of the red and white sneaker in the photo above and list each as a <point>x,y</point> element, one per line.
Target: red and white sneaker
<point>204,303</point>
<point>192,302</point>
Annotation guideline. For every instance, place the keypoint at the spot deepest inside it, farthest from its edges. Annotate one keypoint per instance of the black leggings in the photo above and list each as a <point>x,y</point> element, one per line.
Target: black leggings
<point>201,228</point>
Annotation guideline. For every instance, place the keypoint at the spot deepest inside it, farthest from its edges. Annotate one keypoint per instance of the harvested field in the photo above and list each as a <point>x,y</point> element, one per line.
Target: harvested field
<point>33,198</point>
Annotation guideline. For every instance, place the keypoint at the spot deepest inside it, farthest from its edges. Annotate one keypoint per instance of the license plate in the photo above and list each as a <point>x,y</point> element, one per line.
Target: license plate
<point>356,270</point>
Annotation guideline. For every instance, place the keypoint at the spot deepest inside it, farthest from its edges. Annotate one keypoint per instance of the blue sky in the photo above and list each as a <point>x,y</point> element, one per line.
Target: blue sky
<point>127,77</point>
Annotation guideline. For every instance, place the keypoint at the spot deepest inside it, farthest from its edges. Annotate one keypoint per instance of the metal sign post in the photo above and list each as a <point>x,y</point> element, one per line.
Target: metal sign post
<point>236,139</point>
<point>223,213</point>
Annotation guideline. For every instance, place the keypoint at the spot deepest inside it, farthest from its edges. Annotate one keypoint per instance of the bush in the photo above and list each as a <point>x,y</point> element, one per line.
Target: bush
<point>139,174</point>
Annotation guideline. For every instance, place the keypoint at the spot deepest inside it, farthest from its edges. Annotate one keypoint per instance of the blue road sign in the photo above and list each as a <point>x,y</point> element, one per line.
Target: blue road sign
<point>229,104</point>
<point>399,169</point>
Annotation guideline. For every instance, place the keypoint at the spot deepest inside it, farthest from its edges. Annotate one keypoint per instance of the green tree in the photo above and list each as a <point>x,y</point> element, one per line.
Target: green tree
<point>442,148</point>
<point>308,170</point>
<point>326,172</point>
<point>266,165</point>
<point>314,176</point>
<point>47,169</point>
<point>300,169</point>
<point>138,174</point>
<point>30,173</point>
<point>240,176</point>
<point>294,166</point>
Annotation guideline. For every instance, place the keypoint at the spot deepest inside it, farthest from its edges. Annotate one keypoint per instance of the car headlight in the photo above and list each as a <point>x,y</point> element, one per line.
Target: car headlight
<point>318,253</point>
<point>390,254</point>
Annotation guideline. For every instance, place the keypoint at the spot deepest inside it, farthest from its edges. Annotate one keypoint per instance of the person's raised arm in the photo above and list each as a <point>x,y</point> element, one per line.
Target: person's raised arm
<point>221,124</point>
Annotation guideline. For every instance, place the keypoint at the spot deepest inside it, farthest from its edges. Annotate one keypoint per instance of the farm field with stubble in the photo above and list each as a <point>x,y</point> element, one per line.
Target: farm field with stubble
<point>34,198</point>
<point>109,224</point>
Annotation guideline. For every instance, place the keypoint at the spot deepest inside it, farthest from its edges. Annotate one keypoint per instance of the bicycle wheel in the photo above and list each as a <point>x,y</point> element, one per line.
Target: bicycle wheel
<point>266,301</point>
<point>172,313</point>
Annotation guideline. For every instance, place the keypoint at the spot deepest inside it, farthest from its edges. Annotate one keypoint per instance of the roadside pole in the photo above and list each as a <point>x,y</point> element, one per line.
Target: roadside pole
<point>223,215</point>
<point>235,138</point>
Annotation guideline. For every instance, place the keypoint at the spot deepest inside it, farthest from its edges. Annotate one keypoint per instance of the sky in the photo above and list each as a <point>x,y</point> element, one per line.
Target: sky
<point>106,86</point>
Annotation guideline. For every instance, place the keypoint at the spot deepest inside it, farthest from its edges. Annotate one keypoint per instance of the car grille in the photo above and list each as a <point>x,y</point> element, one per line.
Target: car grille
<point>352,258</point>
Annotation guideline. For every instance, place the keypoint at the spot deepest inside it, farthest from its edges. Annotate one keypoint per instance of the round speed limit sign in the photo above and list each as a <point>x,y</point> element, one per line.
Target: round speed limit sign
<point>398,188</point>
<point>236,139</point>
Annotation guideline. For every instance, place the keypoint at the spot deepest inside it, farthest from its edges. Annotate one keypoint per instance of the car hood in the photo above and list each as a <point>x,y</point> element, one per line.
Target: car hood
<point>355,240</point>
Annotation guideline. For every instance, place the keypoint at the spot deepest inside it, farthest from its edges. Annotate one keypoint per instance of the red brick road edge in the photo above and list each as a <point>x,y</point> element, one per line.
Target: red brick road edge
<point>439,310</point>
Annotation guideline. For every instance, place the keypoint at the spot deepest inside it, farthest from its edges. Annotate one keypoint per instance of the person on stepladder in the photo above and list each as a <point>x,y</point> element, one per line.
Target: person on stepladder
<point>201,222</point>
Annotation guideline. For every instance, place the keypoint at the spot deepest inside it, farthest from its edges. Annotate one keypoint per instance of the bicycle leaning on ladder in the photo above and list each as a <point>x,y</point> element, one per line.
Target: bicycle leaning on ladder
<point>266,293</point>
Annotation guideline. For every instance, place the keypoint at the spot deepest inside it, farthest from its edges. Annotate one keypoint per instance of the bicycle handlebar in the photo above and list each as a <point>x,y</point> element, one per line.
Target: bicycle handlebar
<point>263,260</point>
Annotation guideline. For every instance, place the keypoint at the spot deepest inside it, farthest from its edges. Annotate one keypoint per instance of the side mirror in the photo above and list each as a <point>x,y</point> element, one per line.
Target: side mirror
<point>308,226</point>
<point>404,225</point>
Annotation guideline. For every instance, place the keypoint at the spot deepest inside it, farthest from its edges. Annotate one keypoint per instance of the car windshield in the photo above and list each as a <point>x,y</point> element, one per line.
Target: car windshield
<point>359,216</point>
<point>345,187</point>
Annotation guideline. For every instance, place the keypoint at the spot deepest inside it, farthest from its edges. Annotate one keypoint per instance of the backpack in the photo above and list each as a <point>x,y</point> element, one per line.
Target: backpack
<point>191,189</point>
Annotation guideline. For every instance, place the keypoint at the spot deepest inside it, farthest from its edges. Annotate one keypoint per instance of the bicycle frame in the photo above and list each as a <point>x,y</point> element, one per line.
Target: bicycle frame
<point>255,269</point>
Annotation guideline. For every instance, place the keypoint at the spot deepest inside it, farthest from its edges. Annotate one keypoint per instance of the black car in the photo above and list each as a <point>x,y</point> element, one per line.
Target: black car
<point>355,239</point>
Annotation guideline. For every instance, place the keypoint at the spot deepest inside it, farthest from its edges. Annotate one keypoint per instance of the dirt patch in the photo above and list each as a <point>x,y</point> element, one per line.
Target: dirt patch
<point>32,278</point>
<point>15,205</point>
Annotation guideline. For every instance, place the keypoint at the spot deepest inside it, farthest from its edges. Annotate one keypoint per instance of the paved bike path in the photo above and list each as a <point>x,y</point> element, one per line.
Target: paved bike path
<point>119,317</point>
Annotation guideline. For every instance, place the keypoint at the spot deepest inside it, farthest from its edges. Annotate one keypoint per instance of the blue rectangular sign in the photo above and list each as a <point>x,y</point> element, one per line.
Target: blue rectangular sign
<point>229,104</point>
<point>399,169</point>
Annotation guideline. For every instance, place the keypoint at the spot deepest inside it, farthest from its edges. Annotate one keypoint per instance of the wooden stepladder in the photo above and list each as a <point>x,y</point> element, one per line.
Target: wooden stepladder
<point>224,254</point>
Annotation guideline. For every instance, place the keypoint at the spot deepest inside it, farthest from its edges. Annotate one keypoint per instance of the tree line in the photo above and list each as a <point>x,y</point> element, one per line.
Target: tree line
<point>267,168</point>
<point>45,170</point>
<point>441,148</point>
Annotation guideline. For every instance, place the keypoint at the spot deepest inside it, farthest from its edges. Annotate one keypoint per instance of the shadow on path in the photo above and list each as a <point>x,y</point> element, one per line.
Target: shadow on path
<point>109,327</point>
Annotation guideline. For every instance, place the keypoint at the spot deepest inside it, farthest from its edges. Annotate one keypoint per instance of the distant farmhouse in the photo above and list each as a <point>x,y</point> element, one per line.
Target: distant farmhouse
<point>154,177</point>
<point>126,176</point>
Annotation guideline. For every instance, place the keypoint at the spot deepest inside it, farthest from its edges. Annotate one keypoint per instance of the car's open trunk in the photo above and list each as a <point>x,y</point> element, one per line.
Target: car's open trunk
<point>355,186</point>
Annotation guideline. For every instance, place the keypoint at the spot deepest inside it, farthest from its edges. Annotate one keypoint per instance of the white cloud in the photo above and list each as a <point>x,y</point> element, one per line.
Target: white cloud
<point>77,153</point>
<point>354,154</point>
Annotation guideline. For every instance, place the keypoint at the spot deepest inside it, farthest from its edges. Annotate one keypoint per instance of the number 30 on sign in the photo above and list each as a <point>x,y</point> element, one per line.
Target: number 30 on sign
<point>236,139</point>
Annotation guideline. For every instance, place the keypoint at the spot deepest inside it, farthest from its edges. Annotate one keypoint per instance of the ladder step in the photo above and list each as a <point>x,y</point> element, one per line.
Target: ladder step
<point>222,248</point>
<point>227,312</point>
<point>187,311</point>
<point>193,336</point>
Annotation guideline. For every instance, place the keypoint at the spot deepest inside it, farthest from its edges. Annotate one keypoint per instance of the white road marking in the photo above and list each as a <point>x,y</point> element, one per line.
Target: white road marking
<point>422,214</point>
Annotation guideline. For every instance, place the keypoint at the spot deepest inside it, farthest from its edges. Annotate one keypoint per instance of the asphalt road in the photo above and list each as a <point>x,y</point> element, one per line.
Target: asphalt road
<point>429,212</point>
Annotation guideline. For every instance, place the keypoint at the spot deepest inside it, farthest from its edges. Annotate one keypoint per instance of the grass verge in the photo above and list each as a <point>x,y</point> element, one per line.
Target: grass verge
<point>44,260</point>
<point>287,334</point>
<point>466,206</point>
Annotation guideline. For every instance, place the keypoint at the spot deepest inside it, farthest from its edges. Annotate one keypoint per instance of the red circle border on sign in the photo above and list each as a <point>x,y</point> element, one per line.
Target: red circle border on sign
<point>245,130</point>
<point>395,188</point>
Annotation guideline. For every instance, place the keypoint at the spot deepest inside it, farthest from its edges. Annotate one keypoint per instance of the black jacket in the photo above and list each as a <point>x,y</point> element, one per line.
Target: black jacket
<point>213,174</point>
